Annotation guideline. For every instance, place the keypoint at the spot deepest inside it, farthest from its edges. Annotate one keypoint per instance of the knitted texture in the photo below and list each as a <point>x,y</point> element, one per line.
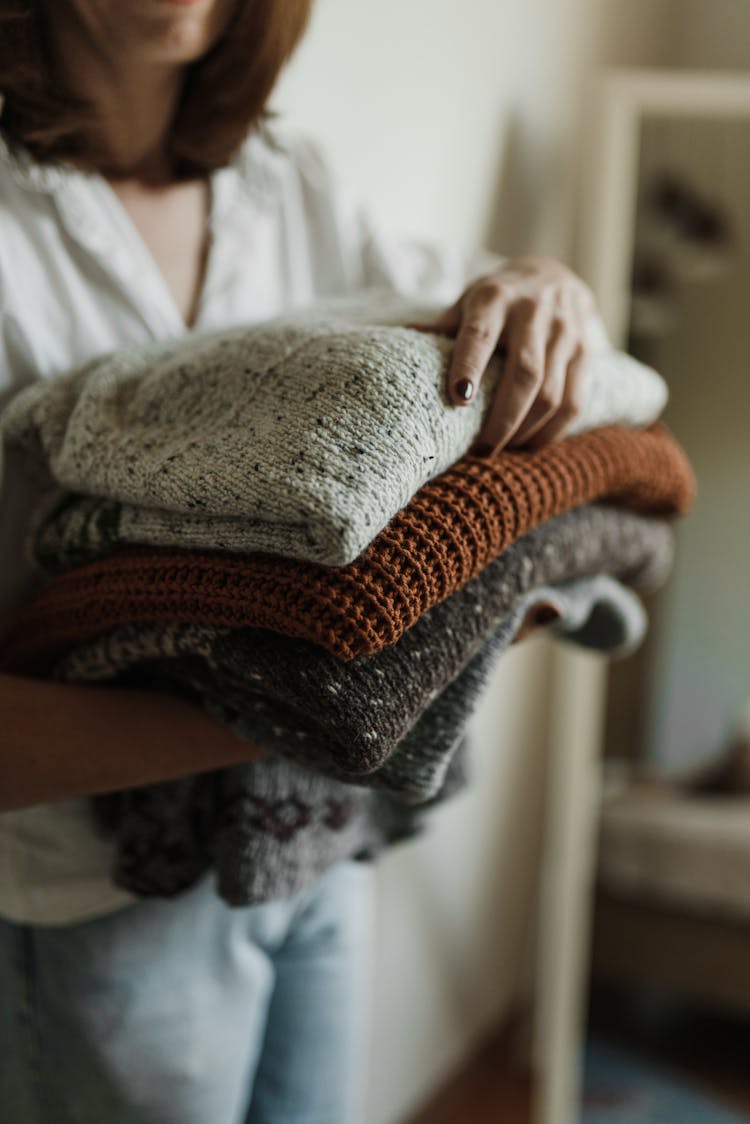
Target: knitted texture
<point>272,827</point>
<point>346,718</point>
<point>297,437</point>
<point>451,529</point>
<point>268,833</point>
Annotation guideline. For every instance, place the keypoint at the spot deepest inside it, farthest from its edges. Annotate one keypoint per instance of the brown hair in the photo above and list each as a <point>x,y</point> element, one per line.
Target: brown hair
<point>224,95</point>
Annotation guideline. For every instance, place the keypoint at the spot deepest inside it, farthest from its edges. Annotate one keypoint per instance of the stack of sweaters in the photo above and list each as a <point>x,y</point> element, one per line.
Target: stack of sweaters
<point>283,522</point>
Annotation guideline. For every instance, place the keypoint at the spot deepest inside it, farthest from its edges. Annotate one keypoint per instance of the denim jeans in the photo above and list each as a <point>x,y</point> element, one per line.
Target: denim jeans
<point>185,1011</point>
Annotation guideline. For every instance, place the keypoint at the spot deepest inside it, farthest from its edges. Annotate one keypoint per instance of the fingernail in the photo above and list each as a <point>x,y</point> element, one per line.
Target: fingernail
<point>464,389</point>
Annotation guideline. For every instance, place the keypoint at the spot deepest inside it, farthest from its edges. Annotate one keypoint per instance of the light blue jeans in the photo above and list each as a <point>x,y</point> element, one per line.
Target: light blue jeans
<point>188,1012</point>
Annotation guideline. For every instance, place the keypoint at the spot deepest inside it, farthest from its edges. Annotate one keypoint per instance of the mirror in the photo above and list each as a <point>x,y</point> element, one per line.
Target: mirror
<point>683,699</point>
<point>669,259</point>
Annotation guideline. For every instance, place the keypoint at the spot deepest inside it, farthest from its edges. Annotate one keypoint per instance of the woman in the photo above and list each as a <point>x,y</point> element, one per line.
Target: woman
<point>142,194</point>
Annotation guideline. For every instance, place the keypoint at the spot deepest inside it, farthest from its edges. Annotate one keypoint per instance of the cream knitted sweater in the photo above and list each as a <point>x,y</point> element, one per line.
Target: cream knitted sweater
<point>301,437</point>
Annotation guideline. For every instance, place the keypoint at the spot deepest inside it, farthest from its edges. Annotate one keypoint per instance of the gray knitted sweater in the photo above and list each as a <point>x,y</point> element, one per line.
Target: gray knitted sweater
<point>301,437</point>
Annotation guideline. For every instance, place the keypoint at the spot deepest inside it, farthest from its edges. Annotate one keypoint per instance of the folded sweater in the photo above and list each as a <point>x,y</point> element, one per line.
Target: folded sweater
<point>347,718</point>
<point>272,827</point>
<point>299,437</point>
<point>448,533</point>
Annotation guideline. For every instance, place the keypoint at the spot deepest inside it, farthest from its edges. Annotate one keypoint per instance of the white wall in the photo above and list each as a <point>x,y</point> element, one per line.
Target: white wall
<point>458,123</point>
<point>432,109</point>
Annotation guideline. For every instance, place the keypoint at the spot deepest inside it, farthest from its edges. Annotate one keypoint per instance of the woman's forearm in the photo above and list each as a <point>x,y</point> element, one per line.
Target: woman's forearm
<point>59,741</point>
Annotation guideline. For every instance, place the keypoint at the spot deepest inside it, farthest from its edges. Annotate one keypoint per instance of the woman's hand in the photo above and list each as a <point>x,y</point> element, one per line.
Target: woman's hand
<point>535,310</point>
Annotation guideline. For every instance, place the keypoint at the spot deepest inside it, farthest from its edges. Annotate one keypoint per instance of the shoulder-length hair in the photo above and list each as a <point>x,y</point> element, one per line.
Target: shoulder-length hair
<point>223,98</point>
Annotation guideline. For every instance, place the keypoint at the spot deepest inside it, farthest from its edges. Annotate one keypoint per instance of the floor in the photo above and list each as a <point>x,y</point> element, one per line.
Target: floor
<point>490,1089</point>
<point>711,1050</point>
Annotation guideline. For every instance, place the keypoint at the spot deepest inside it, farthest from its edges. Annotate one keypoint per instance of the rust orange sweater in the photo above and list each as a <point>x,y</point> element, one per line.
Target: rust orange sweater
<point>452,528</point>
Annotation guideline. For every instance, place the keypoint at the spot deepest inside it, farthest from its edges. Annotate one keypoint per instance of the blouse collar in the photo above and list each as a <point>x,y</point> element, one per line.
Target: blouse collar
<point>250,169</point>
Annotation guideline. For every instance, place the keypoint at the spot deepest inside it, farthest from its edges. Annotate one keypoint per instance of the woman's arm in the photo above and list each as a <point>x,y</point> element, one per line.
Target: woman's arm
<point>59,741</point>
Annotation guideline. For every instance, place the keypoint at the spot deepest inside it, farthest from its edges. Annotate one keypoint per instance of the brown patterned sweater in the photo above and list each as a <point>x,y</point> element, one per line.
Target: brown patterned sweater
<point>448,533</point>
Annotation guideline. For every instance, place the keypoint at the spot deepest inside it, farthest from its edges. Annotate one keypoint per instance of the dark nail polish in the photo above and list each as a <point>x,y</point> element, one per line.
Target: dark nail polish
<point>464,389</point>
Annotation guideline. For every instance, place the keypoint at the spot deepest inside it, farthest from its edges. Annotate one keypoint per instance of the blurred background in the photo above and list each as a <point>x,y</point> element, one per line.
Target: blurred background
<point>604,848</point>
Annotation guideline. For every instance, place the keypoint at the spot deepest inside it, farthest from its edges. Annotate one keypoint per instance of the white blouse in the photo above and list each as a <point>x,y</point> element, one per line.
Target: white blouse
<point>77,280</point>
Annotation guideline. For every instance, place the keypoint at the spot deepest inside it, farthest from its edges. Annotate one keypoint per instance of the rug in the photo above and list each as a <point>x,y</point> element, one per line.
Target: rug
<point>622,1088</point>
